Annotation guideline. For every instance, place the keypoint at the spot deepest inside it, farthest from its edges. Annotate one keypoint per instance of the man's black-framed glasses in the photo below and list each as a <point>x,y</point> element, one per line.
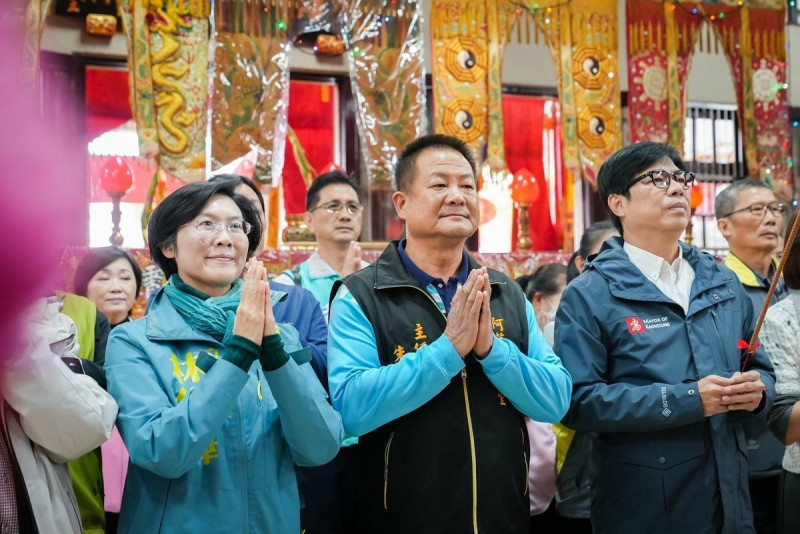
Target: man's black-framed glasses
<point>759,209</point>
<point>661,178</point>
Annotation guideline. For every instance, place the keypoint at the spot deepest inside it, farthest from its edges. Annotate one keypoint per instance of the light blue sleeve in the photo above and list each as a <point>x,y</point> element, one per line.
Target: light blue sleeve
<point>367,394</point>
<point>165,438</point>
<point>311,427</point>
<point>537,384</point>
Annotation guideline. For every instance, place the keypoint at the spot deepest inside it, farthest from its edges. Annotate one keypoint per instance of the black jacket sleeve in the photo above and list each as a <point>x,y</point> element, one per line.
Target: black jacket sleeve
<point>101,331</point>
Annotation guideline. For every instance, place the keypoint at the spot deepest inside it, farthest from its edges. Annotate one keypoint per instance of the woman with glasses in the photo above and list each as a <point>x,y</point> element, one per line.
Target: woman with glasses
<point>217,401</point>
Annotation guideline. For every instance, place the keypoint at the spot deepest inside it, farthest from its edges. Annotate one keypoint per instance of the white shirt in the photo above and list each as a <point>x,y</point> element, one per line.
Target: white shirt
<point>673,280</point>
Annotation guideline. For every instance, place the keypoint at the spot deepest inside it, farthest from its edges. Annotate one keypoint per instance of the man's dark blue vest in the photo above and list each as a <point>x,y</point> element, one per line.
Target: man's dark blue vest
<point>459,463</point>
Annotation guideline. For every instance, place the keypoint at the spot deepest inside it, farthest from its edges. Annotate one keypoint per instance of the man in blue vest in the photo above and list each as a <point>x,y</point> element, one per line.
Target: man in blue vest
<point>750,219</point>
<point>434,361</point>
<point>651,333</point>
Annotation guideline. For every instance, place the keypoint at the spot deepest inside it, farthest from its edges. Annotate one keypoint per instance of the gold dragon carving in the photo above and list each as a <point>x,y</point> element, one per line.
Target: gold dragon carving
<point>169,97</point>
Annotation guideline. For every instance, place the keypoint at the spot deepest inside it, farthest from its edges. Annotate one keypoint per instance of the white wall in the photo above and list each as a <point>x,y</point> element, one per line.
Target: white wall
<point>529,65</point>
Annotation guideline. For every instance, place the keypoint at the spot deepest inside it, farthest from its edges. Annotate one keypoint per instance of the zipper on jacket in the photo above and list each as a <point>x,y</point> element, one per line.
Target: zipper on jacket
<point>472,452</point>
<point>526,461</point>
<point>259,396</point>
<point>386,471</point>
<point>394,286</point>
<point>164,511</point>
<point>245,469</point>
<point>430,298</point>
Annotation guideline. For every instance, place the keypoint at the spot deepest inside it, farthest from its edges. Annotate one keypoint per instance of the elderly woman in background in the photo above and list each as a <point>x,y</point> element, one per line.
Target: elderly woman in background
<point>111,279</point>
<point>217,401</point>
<point>543,288</point>
<point>779,336</point>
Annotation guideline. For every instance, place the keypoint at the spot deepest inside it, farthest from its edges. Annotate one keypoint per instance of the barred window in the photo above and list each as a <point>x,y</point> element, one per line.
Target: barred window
<point>713,143</point>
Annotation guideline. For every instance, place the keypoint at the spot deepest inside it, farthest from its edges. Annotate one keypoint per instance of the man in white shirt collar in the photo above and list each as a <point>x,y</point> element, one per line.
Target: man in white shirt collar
<point>650,333</point>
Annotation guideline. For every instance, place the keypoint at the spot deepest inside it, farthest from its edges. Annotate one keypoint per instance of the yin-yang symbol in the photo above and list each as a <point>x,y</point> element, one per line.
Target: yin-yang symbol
<point>591,66</point>
<point>466,59</point>
<point>597,125</point>
<point>464,119</point>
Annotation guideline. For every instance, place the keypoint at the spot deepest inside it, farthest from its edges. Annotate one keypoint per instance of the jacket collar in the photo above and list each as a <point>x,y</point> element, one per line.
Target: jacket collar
<point>745,274</point>
<point>625,280</point>
<point>164,323</point>
<point>390,271</point>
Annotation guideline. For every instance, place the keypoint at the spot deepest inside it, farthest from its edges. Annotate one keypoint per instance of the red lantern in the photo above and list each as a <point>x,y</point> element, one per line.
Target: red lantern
<point>525,187</point>
<point>116,177</point>
<point>331,167</point>
<point>696,196</point>
<point>245,168</point>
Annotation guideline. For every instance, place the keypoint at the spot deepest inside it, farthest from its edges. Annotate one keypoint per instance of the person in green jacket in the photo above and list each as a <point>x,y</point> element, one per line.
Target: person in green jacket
<point>87,471</point>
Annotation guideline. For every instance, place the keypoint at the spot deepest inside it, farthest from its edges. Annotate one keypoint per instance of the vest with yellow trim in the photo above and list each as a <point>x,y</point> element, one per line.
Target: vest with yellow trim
<point>459,463</point>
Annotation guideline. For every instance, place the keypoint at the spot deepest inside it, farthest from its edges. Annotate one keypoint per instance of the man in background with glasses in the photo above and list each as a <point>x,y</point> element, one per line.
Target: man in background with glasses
<point>650,334</point>
<point>333,215</point>
<point>751,221</point>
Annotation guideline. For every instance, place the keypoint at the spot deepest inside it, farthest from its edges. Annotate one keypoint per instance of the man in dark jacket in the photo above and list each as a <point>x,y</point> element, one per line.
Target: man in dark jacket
<point>750,219</point>
<point>433,360</point>
<point>650,333</point>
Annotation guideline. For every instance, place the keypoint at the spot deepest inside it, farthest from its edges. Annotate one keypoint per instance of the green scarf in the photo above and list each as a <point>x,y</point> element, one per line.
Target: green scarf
<point>210,315</point>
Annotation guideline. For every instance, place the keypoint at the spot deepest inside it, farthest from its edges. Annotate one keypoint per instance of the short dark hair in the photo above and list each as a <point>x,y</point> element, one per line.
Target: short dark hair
<point>98,259</point>
<point>726,200</point>
<point>182,206</point>
<point>238,180</point>
<point>324,180</point>
<point>589,240</point>
<point>791,269</point>
<point>622,167</point>
<point>406,167</point>
<point>545,280</point>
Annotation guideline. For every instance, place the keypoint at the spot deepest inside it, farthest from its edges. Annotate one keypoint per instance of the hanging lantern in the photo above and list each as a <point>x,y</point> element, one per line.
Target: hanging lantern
<point>525,190</point>
<point>525,187</point>
<point>696,196</point>
<point>116,177</point>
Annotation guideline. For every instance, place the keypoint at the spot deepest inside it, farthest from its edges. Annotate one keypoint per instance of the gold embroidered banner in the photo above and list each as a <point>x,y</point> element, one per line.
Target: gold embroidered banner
<point>387,73</point>
<point>469,39</point>
<point>168,64</point>
<point>582,35</point>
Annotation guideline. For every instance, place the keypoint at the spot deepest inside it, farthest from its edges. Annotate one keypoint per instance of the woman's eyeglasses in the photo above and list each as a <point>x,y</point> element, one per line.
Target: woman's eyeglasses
<point>234,228</point>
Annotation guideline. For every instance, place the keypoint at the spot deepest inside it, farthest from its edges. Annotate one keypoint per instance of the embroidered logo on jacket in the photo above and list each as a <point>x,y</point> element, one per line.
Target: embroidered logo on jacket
<point>419,336</point>
<point>664,404</point>
<point>497,326</point>
<point>635,325</point>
